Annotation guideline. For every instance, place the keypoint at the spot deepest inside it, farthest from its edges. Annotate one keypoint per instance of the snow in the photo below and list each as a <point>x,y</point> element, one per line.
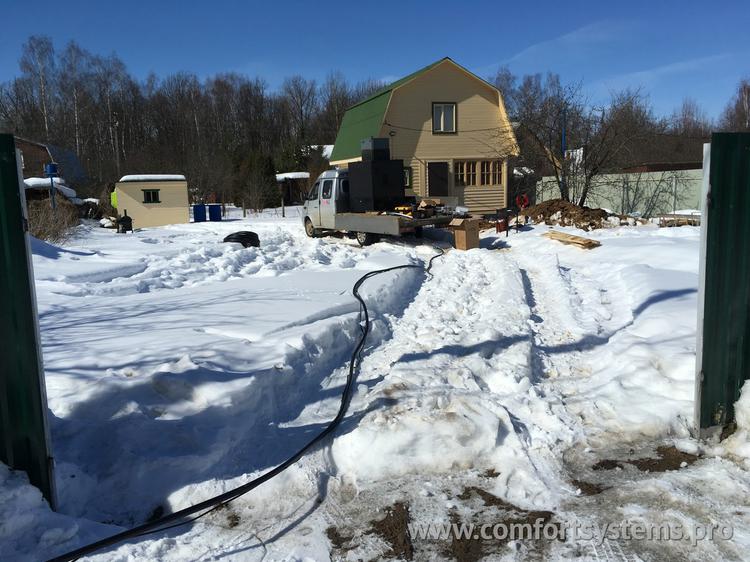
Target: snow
<point>153,177</point>
<point>292,176</point>
<point>178,367</point>
<point>738,444</point>
<point>44,183</point>
<point>325,149</point>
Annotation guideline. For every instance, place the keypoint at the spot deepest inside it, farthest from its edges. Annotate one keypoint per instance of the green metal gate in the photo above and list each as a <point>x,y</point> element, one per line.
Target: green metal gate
<point>24,437</point>
<point>724,332</point>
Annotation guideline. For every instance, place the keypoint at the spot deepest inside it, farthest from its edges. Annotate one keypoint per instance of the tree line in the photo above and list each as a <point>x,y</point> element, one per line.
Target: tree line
<point>563,134</point>
<point>230,133</point>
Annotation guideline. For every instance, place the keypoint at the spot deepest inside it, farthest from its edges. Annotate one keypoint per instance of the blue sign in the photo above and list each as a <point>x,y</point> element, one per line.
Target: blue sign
<point>50,169</point>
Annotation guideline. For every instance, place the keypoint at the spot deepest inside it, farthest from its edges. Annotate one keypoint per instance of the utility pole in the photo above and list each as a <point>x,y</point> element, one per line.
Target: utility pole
<point>563,143</point>
<point>116,124</point>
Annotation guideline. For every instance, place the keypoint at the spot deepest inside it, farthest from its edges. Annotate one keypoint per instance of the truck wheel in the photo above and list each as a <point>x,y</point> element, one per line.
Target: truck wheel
<point>310,230</point>
<point>366,238</point>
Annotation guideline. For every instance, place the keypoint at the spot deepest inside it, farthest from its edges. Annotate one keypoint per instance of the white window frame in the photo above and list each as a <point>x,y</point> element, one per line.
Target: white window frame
<point>439,128</point>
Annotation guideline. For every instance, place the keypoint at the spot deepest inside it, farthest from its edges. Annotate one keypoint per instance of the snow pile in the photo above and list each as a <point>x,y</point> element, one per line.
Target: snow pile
<point>27,525</point>
<point>738,443</point>
<point>153,177</point>
<point>44,183</point>
<point>458,386</point>
<point>292,176</point>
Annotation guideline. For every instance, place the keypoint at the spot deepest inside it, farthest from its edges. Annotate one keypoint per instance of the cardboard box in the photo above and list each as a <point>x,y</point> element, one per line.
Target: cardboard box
<point>465,233</point>
<point>426,203</point>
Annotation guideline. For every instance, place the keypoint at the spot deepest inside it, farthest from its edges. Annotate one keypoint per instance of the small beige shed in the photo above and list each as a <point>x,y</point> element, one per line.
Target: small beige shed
<point>153,199</point>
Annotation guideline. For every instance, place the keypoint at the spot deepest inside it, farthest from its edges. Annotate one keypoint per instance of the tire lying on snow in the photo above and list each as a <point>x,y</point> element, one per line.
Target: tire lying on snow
<point>246,238</point>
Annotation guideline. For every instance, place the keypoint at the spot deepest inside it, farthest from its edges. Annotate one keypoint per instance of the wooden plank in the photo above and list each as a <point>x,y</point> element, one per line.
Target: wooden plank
<point>580,241</point>
<point>679,220</point>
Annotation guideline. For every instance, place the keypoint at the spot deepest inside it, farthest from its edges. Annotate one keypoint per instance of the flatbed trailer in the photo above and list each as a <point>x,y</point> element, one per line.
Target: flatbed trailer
<point>325,210</point>
<point>388,224</point>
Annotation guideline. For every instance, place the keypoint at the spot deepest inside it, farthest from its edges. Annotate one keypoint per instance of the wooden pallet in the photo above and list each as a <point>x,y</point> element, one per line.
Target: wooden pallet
<point>580,241</point>
<point>679,220</point>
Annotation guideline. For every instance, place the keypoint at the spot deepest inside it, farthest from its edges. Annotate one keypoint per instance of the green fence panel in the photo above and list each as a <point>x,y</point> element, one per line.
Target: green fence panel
<point>725,349</point>
<point>24,436</point>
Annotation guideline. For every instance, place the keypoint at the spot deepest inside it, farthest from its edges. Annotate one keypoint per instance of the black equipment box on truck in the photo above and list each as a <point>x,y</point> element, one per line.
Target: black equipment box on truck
<point>376,185</point>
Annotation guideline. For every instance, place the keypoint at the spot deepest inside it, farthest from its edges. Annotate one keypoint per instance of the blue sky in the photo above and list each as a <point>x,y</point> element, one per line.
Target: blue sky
<point>669,49</point>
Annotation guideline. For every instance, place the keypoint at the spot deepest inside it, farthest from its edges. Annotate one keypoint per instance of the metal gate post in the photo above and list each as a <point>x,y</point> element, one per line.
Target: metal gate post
<point>24,434</point>
<point>723,347</point>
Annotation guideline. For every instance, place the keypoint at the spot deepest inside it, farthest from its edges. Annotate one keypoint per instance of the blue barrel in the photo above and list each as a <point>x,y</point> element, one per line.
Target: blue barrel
<point>214,213</point>
<point>199,213</point>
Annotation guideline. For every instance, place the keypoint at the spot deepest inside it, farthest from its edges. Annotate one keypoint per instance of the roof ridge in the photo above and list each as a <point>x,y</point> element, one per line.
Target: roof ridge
<point>401,81</point>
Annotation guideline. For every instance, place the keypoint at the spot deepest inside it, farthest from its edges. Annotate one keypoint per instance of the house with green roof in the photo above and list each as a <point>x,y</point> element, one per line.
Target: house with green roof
<point>449,127</point>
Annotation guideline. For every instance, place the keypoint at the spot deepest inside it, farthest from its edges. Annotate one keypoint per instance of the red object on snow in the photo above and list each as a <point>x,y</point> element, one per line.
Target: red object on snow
<point>522,200</point>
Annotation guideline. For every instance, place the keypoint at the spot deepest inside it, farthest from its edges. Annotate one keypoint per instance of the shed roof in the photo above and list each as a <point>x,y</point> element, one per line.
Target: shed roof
<point>152,177</point>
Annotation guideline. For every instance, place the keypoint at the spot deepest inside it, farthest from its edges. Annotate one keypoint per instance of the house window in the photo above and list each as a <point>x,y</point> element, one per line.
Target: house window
<point>497,172</point>
<point>407,178</point>
<point>490,172</point>
<point>459,169</point>
<point>465,173</point>
<point>485,177</point>
<point>443,117</point>
<point>151,196</point>
<point>471,173</point>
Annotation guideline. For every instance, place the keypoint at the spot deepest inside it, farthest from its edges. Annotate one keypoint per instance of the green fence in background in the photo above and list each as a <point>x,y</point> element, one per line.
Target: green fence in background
<point>724,336</point>
<point>24,436</point>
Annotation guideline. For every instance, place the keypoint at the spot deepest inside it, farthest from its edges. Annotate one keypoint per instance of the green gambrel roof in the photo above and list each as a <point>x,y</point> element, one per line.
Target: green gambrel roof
<point>364,119</point>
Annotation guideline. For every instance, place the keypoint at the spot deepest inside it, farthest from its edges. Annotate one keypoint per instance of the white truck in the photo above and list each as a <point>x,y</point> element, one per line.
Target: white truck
<point>327,209</point>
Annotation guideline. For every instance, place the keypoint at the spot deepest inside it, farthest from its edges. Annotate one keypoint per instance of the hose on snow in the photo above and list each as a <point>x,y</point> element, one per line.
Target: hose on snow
<point>184,516</point>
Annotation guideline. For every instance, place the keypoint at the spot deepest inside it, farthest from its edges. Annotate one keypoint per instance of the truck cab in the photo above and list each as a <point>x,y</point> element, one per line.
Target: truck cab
<point>328,196</point>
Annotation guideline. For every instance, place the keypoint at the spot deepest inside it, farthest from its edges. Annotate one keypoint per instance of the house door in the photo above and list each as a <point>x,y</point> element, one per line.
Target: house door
<point>437,179</point>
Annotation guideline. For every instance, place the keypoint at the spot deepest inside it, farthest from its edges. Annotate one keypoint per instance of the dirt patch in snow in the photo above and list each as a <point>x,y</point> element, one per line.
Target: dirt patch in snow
<point>670,458</point>
<point>489,500</point>
<point>667,458</point>
<point>393,528</point>
<point>607,464</point>
<point>515,519</point>
<point>588,488</point>
<point>563,213</point>
<point>339,541</point>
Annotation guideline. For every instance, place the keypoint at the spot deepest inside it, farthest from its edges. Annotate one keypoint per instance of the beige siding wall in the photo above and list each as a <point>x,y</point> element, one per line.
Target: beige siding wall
<point>173,207</point>
<point>483,199</point>
<point>482,130</point>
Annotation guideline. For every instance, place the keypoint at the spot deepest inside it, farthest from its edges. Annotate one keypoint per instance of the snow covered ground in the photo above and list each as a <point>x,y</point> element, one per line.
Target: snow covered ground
<point>523,378</point>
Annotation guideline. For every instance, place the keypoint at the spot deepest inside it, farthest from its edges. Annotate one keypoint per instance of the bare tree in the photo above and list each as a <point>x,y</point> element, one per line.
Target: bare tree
<point>736,115</point>
<point>690,120</point>
<point>301,99</point>
<point>335,98</point>
<point>37,60</point>
<point>74,71</point>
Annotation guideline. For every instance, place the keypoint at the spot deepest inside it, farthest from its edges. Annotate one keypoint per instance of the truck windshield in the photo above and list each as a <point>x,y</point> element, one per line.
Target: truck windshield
<point>313,196</point>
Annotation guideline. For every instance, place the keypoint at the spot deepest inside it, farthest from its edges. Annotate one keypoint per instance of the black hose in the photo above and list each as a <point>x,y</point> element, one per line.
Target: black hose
<point>180,517</point>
